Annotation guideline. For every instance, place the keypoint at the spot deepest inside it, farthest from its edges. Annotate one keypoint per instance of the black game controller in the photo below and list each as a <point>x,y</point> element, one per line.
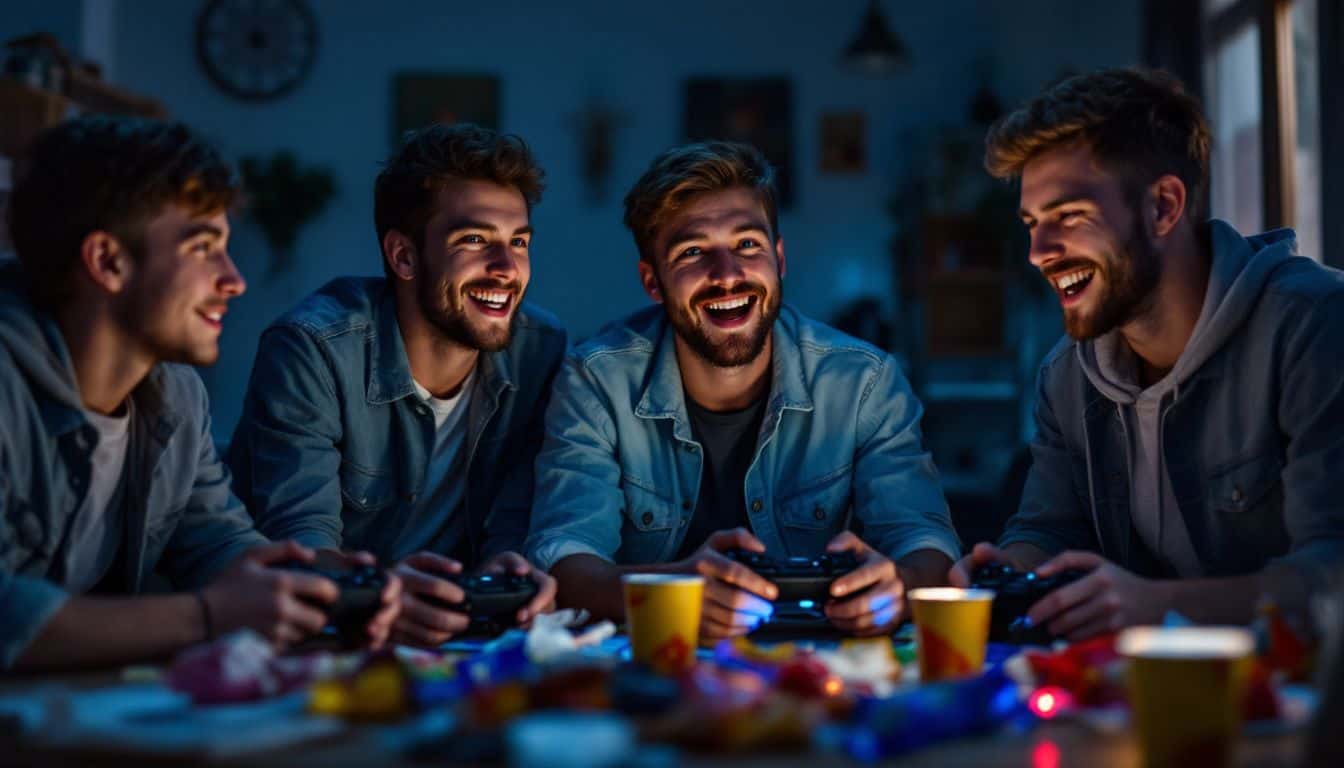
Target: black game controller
<point>361,596</point>
<point>1014,594</point>
<point>491,600</point>
<point>804,588</point>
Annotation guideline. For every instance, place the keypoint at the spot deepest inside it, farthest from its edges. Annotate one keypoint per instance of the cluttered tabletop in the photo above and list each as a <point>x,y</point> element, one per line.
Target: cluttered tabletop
<point>557,694</point>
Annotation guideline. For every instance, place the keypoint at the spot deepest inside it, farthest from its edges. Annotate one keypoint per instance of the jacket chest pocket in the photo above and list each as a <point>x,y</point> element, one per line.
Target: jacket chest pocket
<point>365,490</point>
<point>810,517</point>
<point>1245,505</point>
<point>650,526</point>
<point>33,537</point>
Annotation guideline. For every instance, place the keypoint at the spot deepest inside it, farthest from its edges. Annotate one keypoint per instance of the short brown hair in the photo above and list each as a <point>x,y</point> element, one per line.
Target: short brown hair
<point>432,157</point>
<point>111,174</point>
<point>684,172</point>
<point>1139,124</point>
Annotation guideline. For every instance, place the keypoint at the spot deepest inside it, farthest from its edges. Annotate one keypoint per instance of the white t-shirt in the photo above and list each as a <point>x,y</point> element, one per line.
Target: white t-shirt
<point>445,480</point>
<point>96,534</point>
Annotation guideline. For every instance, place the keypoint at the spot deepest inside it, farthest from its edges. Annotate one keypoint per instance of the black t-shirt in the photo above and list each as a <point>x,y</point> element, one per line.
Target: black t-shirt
<point>729,442</point>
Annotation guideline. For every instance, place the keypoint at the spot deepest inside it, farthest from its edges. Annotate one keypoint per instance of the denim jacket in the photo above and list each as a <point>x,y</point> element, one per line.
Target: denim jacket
<point>1252,439</point>
<point>180,518</point>
<point>334,444</point>
<point>839,448</point>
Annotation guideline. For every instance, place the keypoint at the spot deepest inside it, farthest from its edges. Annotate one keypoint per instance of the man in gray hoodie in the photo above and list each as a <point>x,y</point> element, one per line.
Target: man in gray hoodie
<point>108,474</point>
<point>1189,425</point>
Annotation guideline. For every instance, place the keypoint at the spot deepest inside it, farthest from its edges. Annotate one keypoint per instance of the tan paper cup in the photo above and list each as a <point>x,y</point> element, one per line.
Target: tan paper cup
<point>1186,689</point>
<point>662,614</point>
<point>952,627</point>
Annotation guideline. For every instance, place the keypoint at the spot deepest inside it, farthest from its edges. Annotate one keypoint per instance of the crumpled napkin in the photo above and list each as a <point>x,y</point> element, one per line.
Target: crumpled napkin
<point>550,638</point>
<point>242,666</point>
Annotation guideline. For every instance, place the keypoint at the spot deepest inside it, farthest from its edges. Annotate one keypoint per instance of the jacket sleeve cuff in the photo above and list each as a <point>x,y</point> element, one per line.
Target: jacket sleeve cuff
<point>547,554</point>
<point>945,544</point>
<point>26,605</point>
<point>1045,542</point>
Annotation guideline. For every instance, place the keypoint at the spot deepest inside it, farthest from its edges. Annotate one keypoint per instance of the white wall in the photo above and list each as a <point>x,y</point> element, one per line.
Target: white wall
<point>551,58</point>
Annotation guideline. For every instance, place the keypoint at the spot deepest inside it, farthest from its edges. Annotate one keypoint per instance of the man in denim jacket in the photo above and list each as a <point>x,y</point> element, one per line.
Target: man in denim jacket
<point>1189,437</point>
<point>725,419</point>
<point>107,469</point>
<point>401,416</point>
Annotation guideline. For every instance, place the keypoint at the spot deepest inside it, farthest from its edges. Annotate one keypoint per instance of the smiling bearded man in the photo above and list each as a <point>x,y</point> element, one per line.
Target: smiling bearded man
<point>1188,432</point>
<point>401,416</point>
<point>725,419</point>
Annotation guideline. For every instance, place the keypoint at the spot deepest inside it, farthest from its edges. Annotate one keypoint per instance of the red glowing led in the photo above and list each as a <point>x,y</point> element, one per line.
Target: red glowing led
<point>1049,701</point>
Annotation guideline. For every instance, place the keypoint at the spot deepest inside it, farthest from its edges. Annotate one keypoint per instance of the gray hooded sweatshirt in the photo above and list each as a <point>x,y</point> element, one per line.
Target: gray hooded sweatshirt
<point>1227,466</point>
<point>178,515</point>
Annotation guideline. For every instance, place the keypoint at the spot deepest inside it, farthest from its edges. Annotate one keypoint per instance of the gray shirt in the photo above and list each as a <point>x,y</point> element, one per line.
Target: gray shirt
<point>96,533</point>
<point>441,526</point>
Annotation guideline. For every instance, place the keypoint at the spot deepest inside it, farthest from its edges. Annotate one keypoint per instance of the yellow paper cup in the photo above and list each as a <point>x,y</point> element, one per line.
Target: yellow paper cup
<point>1186,689</point>
<point>952,627</point>
<point>662,614</point>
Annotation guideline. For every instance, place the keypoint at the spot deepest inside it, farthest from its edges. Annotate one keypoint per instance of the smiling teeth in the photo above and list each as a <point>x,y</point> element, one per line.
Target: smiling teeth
<point>1073,278</point>
<point>722,306</point>
<point>494,298</point>
<point>215,316</point>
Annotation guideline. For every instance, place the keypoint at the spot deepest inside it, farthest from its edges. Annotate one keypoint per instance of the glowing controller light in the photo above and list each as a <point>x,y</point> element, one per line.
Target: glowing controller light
<point>806,604</point>
<point>1048,701</point>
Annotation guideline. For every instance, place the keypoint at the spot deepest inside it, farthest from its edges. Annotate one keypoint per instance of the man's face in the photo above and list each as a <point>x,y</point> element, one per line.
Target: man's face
<point>1088,240</point>
<point>179,286</point>
<point>717,268</point>
<point>475,265</point>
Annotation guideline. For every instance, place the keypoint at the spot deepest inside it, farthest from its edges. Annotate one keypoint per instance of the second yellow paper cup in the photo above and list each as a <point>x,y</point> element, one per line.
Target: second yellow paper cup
<point>662,614</point>
<point>952,626</point>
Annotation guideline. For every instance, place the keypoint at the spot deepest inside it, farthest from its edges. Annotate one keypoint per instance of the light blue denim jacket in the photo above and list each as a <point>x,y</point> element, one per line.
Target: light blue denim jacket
<point>180,518</point>
<point>334,444</point>
<point>839,448</point>
<point>1252,437</point>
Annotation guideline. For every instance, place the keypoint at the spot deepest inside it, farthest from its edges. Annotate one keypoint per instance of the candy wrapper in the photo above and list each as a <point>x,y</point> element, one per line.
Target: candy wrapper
<point>241,666</point>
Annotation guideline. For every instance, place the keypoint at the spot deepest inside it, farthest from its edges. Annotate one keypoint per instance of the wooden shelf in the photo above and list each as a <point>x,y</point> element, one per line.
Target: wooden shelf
<point>28,111</point>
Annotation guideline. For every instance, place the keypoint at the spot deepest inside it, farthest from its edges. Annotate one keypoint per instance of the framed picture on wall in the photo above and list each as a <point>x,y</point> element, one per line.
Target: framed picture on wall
<point>844,142</point>
<point>757,111</point>
<point>422,98</point>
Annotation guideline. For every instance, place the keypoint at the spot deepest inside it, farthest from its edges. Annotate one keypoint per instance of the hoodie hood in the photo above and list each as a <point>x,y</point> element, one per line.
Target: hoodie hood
<point>1241,267</point>
<point>33,341</point>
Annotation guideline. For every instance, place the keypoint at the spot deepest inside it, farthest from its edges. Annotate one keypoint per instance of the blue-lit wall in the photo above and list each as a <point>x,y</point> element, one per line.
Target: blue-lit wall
<point>552,59</point>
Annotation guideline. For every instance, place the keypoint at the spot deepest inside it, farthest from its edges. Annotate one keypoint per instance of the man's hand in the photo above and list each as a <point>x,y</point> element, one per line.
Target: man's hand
<point>1020,555</point>
<point>880,603</point>
<point>517,565</point>
<point>423,620</point>
<point>273,602</point>
<point>1107,599</point>
<point>737,598</point>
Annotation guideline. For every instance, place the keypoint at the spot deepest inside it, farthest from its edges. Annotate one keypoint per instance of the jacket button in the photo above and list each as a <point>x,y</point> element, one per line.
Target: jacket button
<point>685,503</point>
<point>819,513</point>
<point>681,523</point>
<point>756,505</point>
<point>1237,495</point>
<point>647,518</point>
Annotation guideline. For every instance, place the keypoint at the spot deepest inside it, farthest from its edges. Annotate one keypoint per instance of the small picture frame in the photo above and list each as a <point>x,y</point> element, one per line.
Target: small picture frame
<point>844,143</point>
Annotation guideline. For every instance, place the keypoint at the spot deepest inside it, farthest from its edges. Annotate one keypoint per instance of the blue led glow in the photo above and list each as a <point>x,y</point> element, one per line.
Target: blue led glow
<point>806,604</point>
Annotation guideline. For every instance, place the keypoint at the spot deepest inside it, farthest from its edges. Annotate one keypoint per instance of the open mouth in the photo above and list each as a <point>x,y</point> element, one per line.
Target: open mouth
<point>1072,285</point>
<point>491,302</point>
<point>729,312</point>
<point>212,317</point>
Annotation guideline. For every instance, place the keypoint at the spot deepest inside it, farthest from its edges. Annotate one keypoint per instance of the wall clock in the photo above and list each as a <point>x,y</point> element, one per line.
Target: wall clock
<point>256,49</point>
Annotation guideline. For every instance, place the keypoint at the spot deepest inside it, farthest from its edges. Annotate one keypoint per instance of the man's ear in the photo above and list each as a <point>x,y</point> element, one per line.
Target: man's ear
<point>1167,201</point>
<point>649,280</point>
<point>779,255</point>
<point>400,254</point>
<point>105,261</point>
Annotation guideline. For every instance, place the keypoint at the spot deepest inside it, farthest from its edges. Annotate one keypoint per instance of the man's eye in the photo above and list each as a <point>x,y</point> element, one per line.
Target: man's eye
<point>518,242</point>
<point>1070,217</point>
<point>694,250</point>
<point>748,242</point>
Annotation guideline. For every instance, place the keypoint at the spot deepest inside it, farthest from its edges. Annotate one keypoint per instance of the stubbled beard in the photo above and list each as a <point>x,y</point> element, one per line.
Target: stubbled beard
<point>1129,278</point>
<point>445,307</point>
<point>738,349</point>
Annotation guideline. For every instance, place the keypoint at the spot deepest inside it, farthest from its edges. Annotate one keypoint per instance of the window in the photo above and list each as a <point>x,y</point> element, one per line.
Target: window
<point>1262,85</point>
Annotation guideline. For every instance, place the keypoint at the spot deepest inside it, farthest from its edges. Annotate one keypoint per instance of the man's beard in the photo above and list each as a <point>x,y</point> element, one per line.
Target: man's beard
<point>446,309</point>
<point>738,349</point>
<point>1129,280</point>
